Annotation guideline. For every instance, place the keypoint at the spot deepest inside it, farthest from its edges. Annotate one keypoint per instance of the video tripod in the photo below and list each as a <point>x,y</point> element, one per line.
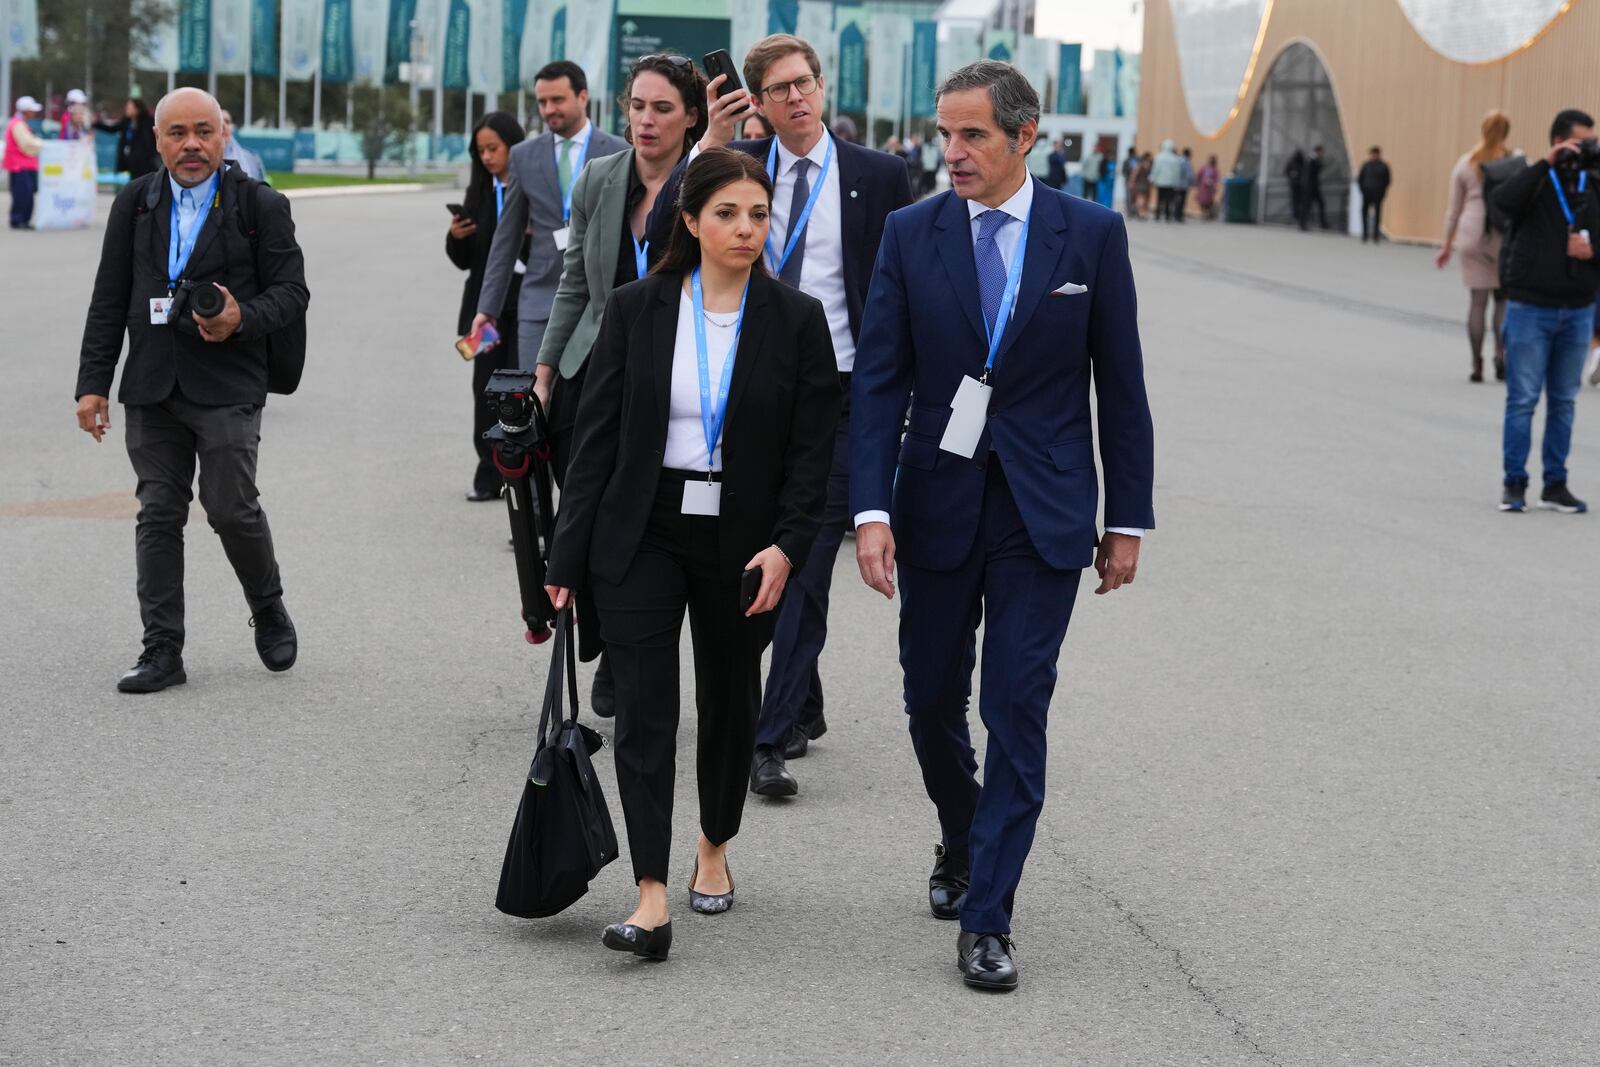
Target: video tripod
<point>522,455</point>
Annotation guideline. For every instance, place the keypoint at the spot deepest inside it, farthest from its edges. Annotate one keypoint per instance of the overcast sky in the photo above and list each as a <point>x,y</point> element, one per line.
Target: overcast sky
<point>1096,23</point>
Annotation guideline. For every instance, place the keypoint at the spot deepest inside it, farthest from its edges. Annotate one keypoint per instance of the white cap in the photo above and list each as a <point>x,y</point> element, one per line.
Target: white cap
<point>76,96</point>
<point>28,103</point>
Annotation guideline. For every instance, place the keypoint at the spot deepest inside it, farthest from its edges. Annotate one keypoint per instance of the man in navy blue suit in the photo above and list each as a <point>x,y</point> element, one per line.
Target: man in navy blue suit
<point>992,308</point>
<point>830,200</point>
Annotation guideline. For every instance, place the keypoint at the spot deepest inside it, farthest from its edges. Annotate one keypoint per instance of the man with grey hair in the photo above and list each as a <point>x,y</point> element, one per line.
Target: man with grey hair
<point>200,269</point>
<point>235,152</point>
<point>992,308</point>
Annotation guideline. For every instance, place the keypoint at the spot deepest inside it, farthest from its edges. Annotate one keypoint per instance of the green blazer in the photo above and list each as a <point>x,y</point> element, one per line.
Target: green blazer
<point>599,203</point>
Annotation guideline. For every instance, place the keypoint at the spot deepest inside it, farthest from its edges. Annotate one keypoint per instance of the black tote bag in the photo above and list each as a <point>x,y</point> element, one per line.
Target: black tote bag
<point>563,833</point>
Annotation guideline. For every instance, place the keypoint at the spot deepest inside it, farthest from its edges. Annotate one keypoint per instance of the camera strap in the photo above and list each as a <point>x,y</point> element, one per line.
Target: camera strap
<point>180,247</point>
<point>1561,195</point>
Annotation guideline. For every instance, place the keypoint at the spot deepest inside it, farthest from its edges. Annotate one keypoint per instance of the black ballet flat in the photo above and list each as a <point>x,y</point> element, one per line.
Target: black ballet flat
<point>646,944</point>
<point>709,903</point>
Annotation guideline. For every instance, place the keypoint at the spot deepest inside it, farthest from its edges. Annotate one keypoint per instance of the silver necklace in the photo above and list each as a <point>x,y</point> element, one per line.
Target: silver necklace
<point>719,322</point>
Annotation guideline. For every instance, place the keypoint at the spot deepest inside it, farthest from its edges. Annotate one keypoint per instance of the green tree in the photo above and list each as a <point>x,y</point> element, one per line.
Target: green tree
<point>86,44</point>
<point>383,118</point>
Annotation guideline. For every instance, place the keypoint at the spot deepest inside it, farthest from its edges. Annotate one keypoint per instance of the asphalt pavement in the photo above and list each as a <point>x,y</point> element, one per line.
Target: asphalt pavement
<point>1323,782</point>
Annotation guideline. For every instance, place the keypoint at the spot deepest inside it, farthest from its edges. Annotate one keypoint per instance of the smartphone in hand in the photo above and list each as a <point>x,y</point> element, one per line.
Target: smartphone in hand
<point>720,62</point>
<point>457,210</point>
<point>476,344</point>
<point>749,588</point>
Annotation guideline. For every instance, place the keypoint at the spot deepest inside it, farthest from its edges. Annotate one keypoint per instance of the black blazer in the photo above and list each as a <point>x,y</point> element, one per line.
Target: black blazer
<point>871,184</point>
<point>472,253</point>
<point>267,277</point>
<point>777,440</point>
<point>136,151</point>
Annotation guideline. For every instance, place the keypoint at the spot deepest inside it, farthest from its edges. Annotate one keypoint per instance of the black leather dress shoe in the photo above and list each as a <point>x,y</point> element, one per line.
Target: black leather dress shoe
<point>603,694</point>
<point>479,494</point>
<point>646,944</point>
<point>276,642</point>
<point>800,738</point>
<point>947,885</point>
<point>769,777</point>
<point>710,903</point>
<point>159,666</point>
<point>985,962</point>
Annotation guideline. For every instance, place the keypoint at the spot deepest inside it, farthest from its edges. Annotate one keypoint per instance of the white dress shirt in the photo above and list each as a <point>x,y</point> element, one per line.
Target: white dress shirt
<point>822,269</point>
<point>686,435</point>
<point>1018,205</point>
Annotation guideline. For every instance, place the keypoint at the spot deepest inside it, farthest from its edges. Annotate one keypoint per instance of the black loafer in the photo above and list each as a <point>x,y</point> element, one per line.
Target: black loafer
<point>710,903</point>
<point>603,694</point>
<point>159,666</point>
<point>769,777</point>
<point>947,885</point>
<point>985,962</point>
<point>276,642</point>
<point>480,494</point>
<point>646,944</point>
<point>800,737</point>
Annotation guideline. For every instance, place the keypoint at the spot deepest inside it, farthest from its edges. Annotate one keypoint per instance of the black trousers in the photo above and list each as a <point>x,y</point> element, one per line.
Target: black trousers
<point>565,396</point>
<point>502,356</point>
<point>676,570</point>
<point>1371,217</point>
<point>164,440</point>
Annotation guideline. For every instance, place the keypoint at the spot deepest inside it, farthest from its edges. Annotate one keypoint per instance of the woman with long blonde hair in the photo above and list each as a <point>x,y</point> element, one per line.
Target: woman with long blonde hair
<point>1467,230</point>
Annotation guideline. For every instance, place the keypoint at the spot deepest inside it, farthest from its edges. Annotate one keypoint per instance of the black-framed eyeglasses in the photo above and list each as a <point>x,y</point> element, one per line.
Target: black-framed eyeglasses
<point>780,92</point>
<point>676,61</point>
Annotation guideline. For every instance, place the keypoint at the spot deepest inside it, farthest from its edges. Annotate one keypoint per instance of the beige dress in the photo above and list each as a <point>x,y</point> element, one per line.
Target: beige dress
<point>1466,225</point>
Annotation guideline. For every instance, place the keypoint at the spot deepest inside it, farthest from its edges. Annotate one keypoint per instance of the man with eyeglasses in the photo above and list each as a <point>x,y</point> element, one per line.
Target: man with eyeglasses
<point>830,200</point>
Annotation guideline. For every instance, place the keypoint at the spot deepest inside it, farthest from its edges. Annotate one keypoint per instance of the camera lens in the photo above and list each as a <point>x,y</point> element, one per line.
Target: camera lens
<point>207,300</point>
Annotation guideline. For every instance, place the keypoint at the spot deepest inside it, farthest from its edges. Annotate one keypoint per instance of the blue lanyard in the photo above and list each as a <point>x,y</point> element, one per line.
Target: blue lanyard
<point>641,256</point>
<point>796,226</point>
<point>1561,195</point>
<point>180,248</point>
<point>711,417</point>
<point>575,165</point>
<point>499,199</point>
<point>1008,298</point>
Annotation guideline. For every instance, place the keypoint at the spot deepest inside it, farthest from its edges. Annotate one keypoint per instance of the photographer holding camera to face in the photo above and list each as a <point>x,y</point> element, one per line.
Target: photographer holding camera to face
<point>1550,275</point>
<point>201,269</point>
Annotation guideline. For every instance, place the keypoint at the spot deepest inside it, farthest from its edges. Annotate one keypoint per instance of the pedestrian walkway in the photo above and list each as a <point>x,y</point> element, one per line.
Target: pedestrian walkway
<point>1322,783</point>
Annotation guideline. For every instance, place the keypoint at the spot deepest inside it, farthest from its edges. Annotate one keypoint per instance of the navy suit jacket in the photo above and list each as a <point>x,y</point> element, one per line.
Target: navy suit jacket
<point>923,332</point>
<point>871,185</point>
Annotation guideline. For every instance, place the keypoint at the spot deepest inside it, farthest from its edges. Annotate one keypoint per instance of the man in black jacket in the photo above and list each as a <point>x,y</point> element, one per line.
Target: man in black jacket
<point>1550,276</point>
<point>1373,181</point>
<point>194,385</point>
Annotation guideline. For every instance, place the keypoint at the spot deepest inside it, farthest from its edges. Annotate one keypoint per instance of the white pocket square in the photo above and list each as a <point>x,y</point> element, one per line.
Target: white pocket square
<point>1069,289</point>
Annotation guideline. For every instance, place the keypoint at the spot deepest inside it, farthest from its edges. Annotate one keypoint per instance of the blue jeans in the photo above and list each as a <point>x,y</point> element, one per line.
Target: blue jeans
<point>1545,351</point>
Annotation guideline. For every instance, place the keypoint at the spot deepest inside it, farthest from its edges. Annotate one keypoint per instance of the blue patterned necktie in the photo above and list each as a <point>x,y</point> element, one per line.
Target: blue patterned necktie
<point>991,265</point>
<point>797,204</point>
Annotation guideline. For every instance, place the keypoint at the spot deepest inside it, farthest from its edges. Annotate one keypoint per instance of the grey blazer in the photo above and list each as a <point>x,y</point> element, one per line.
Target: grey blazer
<point>599,203</point>
<point>533,198</point>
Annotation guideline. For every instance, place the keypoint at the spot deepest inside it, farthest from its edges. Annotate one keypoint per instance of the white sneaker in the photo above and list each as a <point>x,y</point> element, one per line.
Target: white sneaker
<point>1593,368</point>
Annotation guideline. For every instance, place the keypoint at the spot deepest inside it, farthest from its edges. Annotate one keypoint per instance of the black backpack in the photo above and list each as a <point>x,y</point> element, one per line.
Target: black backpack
<point>286,348</point>
<point>1496,172</point>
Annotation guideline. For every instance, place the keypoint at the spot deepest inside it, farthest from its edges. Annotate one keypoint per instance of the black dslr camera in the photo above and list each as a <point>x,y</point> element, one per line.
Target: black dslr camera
<point>197,298</point>
<point>522,455</point>
<point>1585,157</point>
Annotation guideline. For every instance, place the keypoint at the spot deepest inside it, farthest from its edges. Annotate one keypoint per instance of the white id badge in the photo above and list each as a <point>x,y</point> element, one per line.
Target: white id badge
<point>702,498</point>
<point>969,413</point>
<point>521,267</point>
<point>561,236</point>
<point>160,308</point>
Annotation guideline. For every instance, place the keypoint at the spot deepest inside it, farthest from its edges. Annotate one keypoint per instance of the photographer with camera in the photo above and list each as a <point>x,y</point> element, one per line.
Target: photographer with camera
<point>1550,276</point>
<point>199,266</point>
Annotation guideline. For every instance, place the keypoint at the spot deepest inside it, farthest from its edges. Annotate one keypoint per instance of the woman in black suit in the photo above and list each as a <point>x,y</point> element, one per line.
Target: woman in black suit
<point>136,139</point>
<point>686,473</point>
<point>471,234</point>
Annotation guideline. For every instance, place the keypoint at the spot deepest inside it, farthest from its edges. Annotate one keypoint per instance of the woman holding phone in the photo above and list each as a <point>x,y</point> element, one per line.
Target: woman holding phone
<point>698,474</point>
<point>467,245</point>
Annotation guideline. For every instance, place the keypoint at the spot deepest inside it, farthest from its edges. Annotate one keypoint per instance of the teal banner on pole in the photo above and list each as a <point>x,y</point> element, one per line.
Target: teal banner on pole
<point>1069,81</point>
<point>194,36</point>
<point>457,42</point>
<point>924,67</point>
<point>338,51</point>
<point>852,87</point>
<point>558,34</point>
<point>398,51</point>
<point>264,38</point>
<point>511,44</point>
<point>783,16</point>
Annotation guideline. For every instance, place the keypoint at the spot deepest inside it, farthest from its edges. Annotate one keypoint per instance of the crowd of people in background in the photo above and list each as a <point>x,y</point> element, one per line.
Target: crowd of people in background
<point>134,131</point>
